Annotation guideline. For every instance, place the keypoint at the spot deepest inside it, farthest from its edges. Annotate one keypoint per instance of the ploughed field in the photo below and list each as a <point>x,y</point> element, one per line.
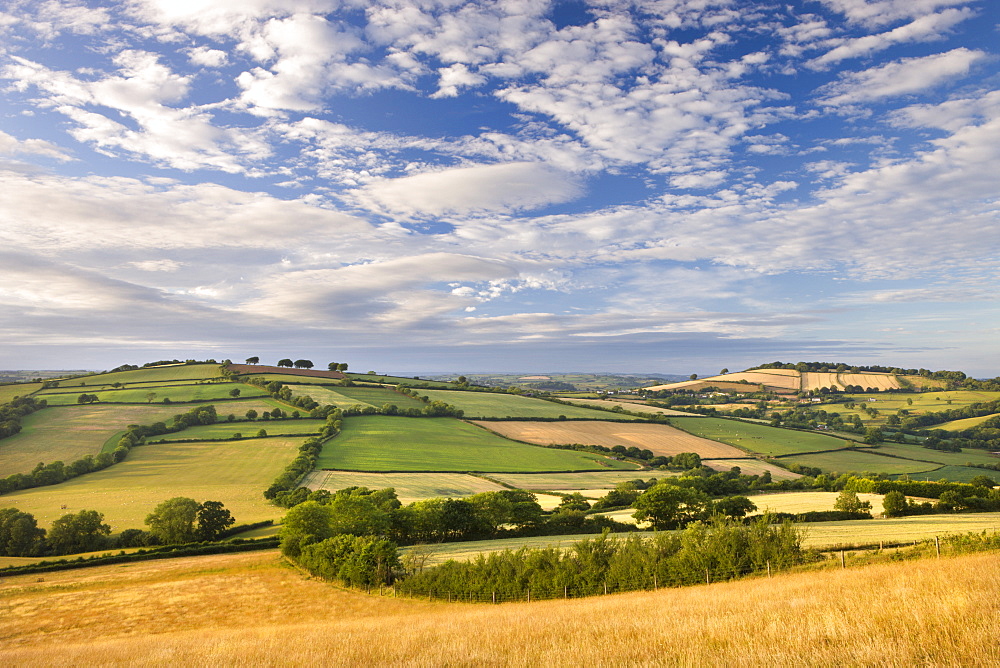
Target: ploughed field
<point>658,438</point>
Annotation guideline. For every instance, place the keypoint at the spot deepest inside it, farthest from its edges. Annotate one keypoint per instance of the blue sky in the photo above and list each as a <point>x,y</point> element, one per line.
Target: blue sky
<point>664,186</point>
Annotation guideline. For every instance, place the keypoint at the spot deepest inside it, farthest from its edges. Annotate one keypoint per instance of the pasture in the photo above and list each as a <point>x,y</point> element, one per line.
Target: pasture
<point>235,473</point>
<point>957,474</point>
<point>175,393</point>
<point>496,405</point>
<point>896,529</point>
<point>324,395</point>
<point>847,461</point>
<point>752,467</point>
<point>409,486</point>
<point>967,423</point>
<point>378,396</point>
<point>8,392</point>
<point>658,438</point>
<point>759,438</point>
<point>383,444</point>
<point>805,502</point>
<point>626,405</point>
<point>910,451</point>
<point>292,427</point>
<point>574,482</point>
<point>929,612</point>
<point>157,374</point>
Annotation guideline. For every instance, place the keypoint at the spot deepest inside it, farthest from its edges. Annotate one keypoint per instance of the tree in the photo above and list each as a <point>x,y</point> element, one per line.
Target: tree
<point>733,507</point>
<point>574,501</point>
<point>693,376</point>
<point>724,372</point>
<point>253,360</point>
<point>848,502</point>
<point>150,396</point>
<point>235,392</point>
<point>303,364</point>
<point>213,519</point>
<point>982,481</point>
<point>668,506</point>
<point>286,362</point>
<point>19,534</point>
<point>173,521</point>
<point>86,398</point>
<point>251,414</point>
<point>84,531</point>
<point>333,366</point>
<point>894,504</point>
<point>342,367</point>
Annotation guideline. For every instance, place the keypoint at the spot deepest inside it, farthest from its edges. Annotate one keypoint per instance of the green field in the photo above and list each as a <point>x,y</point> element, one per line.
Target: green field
<point>378,443</point>
<point>910,451</point>
<point>325,395</point>
<point>409,486</point>
<point>161,374</point>
<point>379,396</point>
<point>394,380</point>
<point>495,405</point>
<point>887,403</point>
<point>290,379</point>
<point>235,473</point>
<point>759,438</point>
<point>967,423</point>
<point>247,428</point>
<point>957,474</point>
<point>847,461</point>
<point>176,393</point>
<point>8,392</point>
<point>569,481</point>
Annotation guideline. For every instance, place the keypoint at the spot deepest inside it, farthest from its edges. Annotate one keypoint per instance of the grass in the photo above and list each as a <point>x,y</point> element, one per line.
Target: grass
<point>162,374</point>
<point>247,428</point>
<point>377,443</point>
<point>939,612</point>
<point>967,423</point>
<point>395,380</point>
<point>896,529</point>
<point>627,405</point>
<point>409,486</point>
<point>378,396</point>
<point>8,392</point>
<point>325,395</point>
<point>759,438</point>
<point>573,481</point>
<point>957,474</point>
<point>490,404</point>
<point>804,502</point>
<point>845,461</point>
<point>176,393</point>
<point>752,467</point>
<point>962,458</point>
<point>887,403</point>
<point>235,473</point>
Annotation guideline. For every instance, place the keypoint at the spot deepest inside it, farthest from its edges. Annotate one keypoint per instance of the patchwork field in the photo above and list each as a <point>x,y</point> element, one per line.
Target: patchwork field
<point>917,404</point>
<point>967,423</point>
<point>916,527</point>
<point>760,438</point>
<point>658,438</point>
<point>790,380</point>
<point>805,502</point>
<point>396,380</point>
<point>324,395</point>
<point>573,482</point>
<point>8,392</point>
<point>626,405</point>
<point>293,427</point>
<point>235,473</point>
<point>159,374</point>
<point>752,467</point>
<point>967,456</point>
<point>958,474</point>
<point>489,404</point>
<point>847,461</point>
<point>409,486</point>
<point>384,444</point>
<point>175,393</point>
<point>379,396</point>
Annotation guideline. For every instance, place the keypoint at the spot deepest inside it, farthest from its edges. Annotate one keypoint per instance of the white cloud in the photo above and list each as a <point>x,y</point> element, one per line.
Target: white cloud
<point>13,147</point>
<point>902,77</point>
<point>881,12</point>
<point>454,77</point>
<point>501,187</point>
<point>207,57</point>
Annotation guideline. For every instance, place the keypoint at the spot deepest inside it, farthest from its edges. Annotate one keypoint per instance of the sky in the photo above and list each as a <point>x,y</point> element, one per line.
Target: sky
<point>648,186</point>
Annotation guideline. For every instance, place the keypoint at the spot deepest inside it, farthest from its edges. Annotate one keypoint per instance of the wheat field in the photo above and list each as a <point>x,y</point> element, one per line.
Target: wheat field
<point>931,613</point>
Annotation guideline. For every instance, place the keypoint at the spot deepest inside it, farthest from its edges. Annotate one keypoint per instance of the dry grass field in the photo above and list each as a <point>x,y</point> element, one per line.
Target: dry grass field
<point>752,467</point>
<point>571,482</point>
<point>627,405</point>
<point>804,502</point>
<point>660,439</point>
<point>928,613</point>
<point>409,486</point>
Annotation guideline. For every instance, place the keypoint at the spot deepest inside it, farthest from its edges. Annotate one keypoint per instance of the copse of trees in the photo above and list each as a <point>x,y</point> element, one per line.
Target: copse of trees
<point>13,411</point>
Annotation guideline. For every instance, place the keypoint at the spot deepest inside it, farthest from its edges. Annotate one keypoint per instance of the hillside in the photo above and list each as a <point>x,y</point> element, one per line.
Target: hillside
<point>791,381</point>
<point>936,612</point>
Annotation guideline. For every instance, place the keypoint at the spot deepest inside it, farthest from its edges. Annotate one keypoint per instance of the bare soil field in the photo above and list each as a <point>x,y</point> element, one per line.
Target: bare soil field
<point>409,486</point>
<point>752,467</point>
<point>658,438</point>
<point>934,612</point>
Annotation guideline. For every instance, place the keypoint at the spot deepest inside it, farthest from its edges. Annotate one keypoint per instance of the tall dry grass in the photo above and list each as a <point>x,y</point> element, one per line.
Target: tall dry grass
<point>250,610</point>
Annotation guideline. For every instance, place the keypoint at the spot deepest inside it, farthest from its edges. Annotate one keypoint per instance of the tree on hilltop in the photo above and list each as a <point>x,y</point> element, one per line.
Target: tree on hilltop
<point>253,360</point>
<point>286,362</point>
<point>303,364</point>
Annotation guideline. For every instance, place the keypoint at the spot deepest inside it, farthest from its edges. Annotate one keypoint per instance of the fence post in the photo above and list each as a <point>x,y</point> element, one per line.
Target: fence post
<point>708,578</point>
<point>768,568</point>
<point>937,546</point>
<point>494,597</point>
<point>565,591</point>
<point>654,581</point>
<point>843,560</point>
<point>529,596</point>
<point>605,588</point>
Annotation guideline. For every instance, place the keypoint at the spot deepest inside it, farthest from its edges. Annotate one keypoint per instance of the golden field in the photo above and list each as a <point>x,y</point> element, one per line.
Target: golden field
<point>660,439</point>
<point>249,609</point>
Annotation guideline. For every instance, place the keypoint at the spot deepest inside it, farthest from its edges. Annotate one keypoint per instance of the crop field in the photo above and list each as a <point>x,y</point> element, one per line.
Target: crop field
<point>967,456</point>
<point>760,438</point>
<point>957,474</point>
<point>925,402</point>
<point>915,527</point>
<point>384,444</point>
<point>658,438</point>
<point>8,392</point>
<point>489,404</point>
<point>293,427</point>
<point>234,472</point>
<point>752,467</point>
<point>289,379</point>
<point>804,502</point>
<point>573,482</point>
<point>378,396</point>
<point>846,461</point>
<point>409,486</point>
<point>626,405</point>
<point>160,374</point>
<point>324,395</point>
<point>395,380</point>
<point>176,393</point>
<point>967,423</point>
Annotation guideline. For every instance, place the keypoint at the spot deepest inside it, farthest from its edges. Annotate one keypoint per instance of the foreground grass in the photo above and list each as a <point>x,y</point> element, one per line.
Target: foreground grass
<point>930,612</point>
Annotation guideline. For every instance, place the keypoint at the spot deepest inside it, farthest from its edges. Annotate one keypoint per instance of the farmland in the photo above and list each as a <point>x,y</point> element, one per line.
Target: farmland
<point>409,486</point>
<point>967,423</point>
<point>607,404</point>
<point>175,393</point>
<point>804,502</point>
<point>760,438</point>
<point>846,461</point>
<point>158,374</point>
<point>574,481</point>
<point>910,451</point>
<point>495,405</point>
<point>233,472</point>
<point>752,467</point>
<point>658,438</point>
<point>8,392</point>
<point>246,428</point>
<point>376,443</point>
<point>378,396</point>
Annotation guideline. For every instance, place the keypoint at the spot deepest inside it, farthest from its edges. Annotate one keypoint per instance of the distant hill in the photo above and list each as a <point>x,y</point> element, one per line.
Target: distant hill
<point>791,381</point>
<point>564,381</point>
